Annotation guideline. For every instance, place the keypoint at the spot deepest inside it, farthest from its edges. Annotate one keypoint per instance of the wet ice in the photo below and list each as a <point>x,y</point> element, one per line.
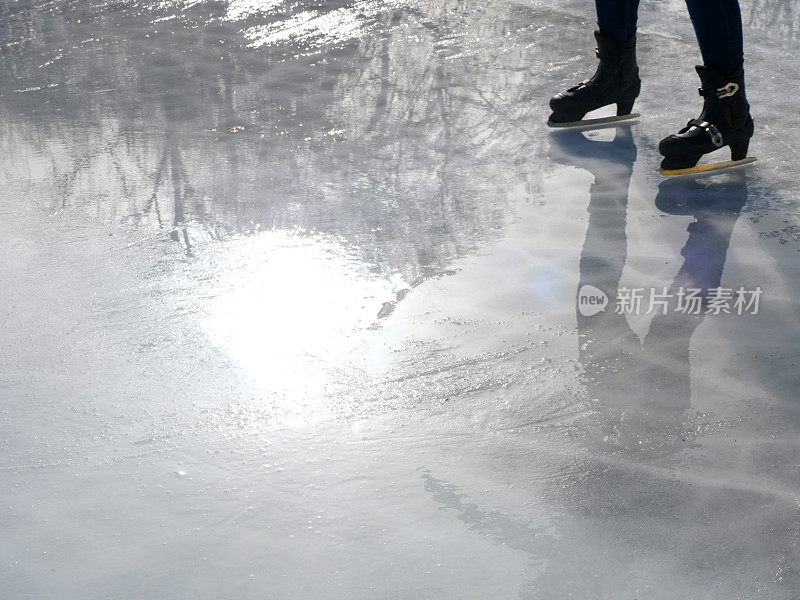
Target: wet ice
<point>289,309</point>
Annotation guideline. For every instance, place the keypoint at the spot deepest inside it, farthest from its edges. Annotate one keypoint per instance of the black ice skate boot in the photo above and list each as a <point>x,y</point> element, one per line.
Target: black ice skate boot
<point>725,121</point>
<point>616,81</point>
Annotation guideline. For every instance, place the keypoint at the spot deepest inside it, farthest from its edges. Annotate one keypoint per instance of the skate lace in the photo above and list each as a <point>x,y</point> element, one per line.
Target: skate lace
<point>582,84</point>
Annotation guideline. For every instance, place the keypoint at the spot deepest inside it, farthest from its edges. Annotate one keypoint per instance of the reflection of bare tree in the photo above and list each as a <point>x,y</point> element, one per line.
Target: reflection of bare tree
<point>412,135</point>
<point>780,16</point>
<point>436,138</point>
<point>400,138</point>
<point>402,148</point>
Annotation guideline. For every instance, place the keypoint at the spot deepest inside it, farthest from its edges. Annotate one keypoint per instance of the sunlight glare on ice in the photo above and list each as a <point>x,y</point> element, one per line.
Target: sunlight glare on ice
<point>286,311</point>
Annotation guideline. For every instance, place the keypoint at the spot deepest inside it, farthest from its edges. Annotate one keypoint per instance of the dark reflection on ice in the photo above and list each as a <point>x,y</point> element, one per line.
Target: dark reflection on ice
<point>631,492</point>
<point>505,529</point>
<point>652,411</point>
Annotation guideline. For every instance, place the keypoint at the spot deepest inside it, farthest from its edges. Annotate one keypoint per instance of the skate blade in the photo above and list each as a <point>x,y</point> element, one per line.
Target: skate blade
<point>718,166</point>
<point>593,123</point>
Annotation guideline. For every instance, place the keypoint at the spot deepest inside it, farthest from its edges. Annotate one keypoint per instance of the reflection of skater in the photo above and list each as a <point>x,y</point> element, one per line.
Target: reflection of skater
<point>643,386</point>
<point>725,119</point>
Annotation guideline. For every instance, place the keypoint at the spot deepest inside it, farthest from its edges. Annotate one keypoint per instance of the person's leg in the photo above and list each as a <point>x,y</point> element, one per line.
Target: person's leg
<point>617,18</point>
<point>616,81</point>
<point>725,120</point>
<point>718,26</point>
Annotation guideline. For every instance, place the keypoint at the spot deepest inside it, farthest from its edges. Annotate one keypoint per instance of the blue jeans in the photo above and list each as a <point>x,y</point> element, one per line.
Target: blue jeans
<point>717,24</point>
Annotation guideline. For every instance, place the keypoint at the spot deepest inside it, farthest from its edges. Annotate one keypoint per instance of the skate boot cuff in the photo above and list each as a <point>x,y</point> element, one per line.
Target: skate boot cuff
<point>716,85</point>
<point>607,45</point>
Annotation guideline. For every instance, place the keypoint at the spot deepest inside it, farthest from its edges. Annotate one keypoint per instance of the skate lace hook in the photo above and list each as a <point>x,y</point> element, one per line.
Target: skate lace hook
<point>713,132</point>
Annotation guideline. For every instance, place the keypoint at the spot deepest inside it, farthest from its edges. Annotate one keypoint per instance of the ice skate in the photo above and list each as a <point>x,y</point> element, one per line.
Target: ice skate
<point>616,81</point>
<point>725,121</point>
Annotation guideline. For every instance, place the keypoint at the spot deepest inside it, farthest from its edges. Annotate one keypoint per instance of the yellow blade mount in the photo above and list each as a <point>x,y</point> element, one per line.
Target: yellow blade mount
<point>725,164</point>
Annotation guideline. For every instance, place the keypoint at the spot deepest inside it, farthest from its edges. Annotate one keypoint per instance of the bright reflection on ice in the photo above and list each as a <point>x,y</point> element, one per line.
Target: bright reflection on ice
<point>180,5</point>
<point>239,10</point>
<point>322,27</point>
<point>289,311</point>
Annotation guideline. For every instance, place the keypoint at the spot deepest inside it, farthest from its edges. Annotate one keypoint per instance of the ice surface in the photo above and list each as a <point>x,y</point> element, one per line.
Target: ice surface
<point>289,308</point>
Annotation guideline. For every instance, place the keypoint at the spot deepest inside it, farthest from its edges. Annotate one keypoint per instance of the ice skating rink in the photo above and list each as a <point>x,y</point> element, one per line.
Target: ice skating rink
<point>290,308</point>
